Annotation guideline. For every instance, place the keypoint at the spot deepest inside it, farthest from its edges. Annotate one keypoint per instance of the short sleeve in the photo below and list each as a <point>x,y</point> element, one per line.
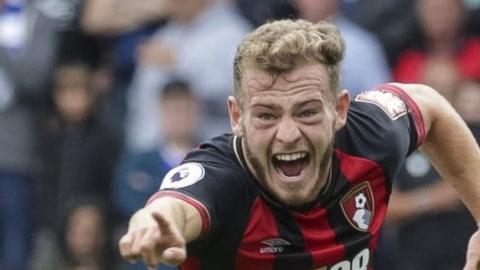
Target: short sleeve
<point>211,184</point>
<point>415,117</point>
<point>384,125</point>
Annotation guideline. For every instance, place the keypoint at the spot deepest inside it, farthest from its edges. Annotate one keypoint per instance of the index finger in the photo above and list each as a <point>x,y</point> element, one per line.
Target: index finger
<point>163,224</point>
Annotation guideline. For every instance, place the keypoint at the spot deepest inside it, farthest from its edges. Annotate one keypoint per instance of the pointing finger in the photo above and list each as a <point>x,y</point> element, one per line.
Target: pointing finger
<point>163,224</point>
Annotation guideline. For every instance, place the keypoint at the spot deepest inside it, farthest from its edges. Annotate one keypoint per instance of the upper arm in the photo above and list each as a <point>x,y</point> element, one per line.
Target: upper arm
<point>448,141</point>
<point>449,144</point>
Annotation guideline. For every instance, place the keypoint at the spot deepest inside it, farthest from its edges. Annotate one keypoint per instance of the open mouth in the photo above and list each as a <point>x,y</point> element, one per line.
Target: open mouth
<point>292,164</point>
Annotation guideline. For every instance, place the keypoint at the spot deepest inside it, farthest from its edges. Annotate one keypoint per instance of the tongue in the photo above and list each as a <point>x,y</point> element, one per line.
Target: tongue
<point>291,168</point>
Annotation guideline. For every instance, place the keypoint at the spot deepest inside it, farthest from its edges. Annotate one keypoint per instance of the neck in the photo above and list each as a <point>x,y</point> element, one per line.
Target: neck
<point>443,45</point>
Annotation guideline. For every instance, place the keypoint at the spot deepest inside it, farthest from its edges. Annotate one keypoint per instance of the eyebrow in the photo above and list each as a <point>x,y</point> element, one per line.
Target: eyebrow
<point>266,105</point>
<point>307,102</point>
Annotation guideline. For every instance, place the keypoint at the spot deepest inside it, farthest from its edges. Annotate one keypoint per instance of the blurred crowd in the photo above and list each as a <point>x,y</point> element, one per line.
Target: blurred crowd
<point>100,98</point>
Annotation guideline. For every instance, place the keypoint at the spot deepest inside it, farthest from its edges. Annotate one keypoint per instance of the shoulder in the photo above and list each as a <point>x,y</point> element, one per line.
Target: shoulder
<point>216,150</point>
<point>423,104</point>
<point>213,161</point>
<point>385,123</point>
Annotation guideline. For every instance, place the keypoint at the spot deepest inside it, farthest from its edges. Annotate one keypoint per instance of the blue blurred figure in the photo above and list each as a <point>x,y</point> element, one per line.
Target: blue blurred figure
<point>139,173</point>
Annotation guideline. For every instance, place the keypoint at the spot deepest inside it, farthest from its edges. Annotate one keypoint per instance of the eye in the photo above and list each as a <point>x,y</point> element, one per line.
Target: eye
<point>308,113</point>
<point>266,116</point>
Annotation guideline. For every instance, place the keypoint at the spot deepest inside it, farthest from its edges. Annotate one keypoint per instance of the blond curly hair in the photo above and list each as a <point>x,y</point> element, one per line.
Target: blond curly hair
<point>281,46</point>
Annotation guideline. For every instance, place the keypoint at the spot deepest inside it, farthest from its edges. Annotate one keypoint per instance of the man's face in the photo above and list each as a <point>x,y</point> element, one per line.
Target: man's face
<point>178,114</point>
<point>288,129</point>
<point>441,19</point>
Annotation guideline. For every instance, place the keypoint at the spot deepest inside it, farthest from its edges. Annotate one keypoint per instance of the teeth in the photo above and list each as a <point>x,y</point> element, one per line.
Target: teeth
<point>290,157</point>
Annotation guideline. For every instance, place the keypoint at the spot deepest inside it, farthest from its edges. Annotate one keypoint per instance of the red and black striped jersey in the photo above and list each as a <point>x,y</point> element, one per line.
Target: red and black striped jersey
<point>245,228</point>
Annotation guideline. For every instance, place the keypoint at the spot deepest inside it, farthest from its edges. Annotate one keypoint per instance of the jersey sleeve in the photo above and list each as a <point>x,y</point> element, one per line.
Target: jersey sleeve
<point>209,183</point>
<point>416,123</point>
<point>384,125</point>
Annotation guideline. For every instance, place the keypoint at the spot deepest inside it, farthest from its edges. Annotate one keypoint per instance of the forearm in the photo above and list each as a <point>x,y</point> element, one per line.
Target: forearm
<point>159,232</point>
<point>181,214</point>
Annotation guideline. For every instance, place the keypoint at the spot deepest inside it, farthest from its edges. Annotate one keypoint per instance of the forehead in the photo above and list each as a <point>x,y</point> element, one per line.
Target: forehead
<point>305,81</point>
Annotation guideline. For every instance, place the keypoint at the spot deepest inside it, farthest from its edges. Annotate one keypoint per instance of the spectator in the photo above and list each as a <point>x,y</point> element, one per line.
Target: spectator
<point>390,20</point>
<point>198,43</point>
<point>124,25</point>
<point>445,57</point>
<point>260,11</point>
<point>422,205</point>
<point>364,65</point>
<point>139,174</point>
<point>442,24</point>
<point>78,150</point>
<point>28,44</point>
<point>82,243</point>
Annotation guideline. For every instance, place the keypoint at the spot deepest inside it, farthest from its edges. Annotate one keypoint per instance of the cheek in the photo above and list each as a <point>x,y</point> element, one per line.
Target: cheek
<point>258,138</point>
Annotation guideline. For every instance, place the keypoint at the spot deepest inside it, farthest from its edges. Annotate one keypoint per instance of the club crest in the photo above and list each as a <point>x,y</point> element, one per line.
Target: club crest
<point>358,207</point>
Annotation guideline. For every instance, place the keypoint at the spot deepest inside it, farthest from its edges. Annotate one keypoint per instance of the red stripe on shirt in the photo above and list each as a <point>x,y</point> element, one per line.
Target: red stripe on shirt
<point>252,253</point>
<point>191,263</point>
<point>201,208</point>
<point>319,237</point>
<point>358,170</point>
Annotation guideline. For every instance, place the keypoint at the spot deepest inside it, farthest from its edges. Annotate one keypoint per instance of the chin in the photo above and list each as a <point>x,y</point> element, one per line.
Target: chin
<point>293,198</point>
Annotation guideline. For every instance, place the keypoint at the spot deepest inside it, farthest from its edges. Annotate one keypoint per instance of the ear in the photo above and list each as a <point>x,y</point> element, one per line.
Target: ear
<point>341,108</point>
<point>235,113</point>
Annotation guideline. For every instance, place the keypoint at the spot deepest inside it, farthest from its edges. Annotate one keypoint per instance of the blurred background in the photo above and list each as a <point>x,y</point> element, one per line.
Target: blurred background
<point>100,98</point>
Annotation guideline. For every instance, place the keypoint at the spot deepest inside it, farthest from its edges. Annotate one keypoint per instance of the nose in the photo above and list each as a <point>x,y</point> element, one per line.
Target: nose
<point>288,131</point>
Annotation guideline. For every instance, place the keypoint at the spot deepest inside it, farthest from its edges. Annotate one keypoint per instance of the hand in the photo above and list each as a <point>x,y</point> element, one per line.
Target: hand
<point>153,239</point>
<point>473,252</point>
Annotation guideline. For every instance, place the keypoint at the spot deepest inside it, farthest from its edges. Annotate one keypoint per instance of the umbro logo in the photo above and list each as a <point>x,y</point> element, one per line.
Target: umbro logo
<point>274,245</point>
